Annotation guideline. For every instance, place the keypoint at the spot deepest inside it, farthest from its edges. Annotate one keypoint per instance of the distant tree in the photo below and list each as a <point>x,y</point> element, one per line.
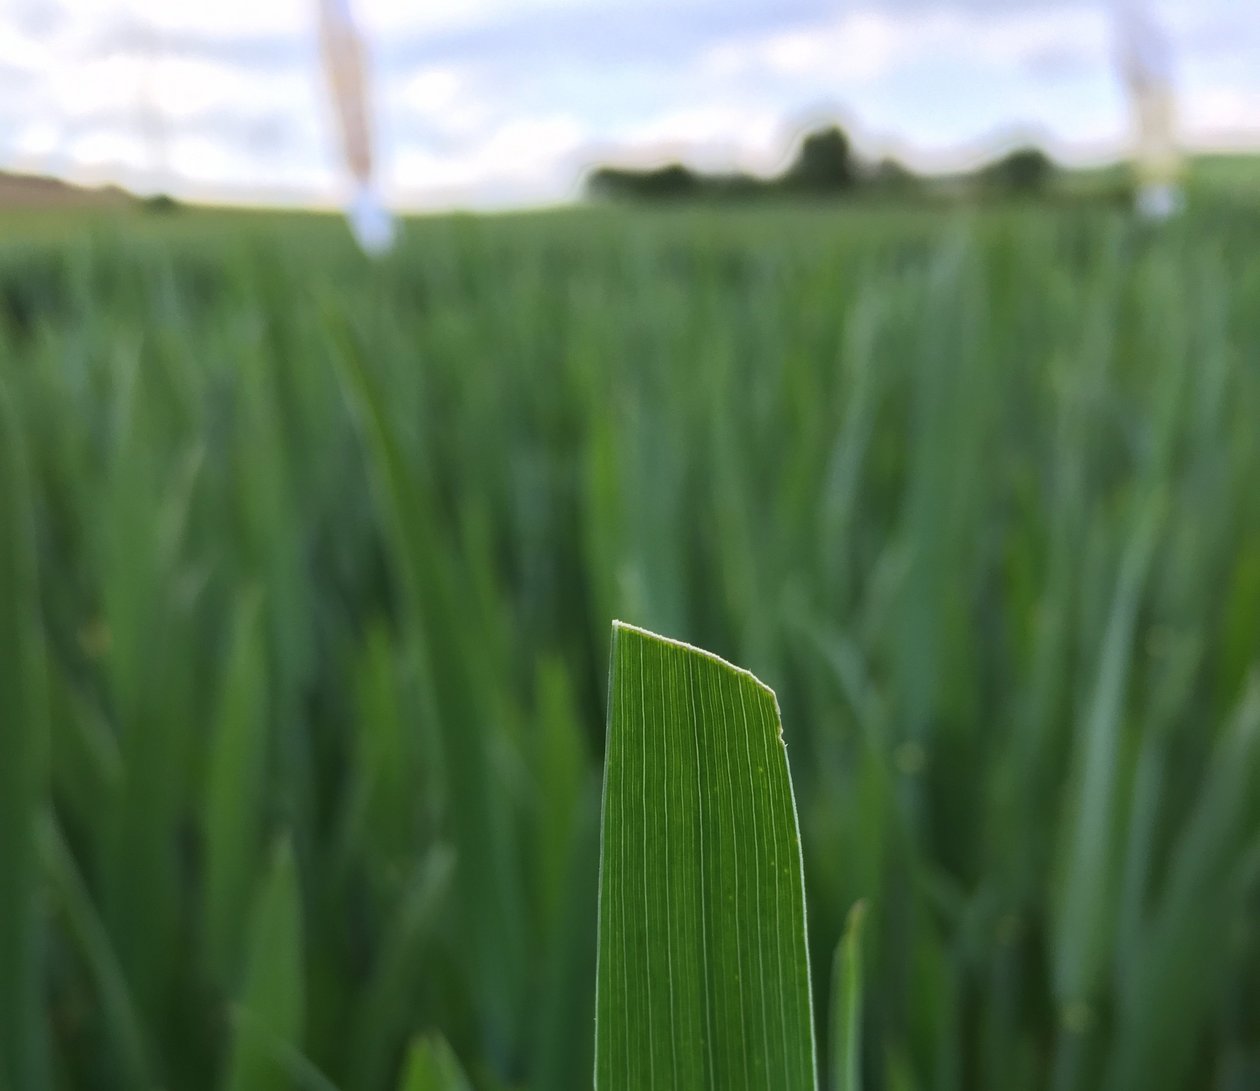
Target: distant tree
<point>1024,172</point>
<point>735,187</point>
<point>605,183</point>
<point>891,178</point>
<point>161,203</point>
<point>670,182</point>
<point>824,165</point>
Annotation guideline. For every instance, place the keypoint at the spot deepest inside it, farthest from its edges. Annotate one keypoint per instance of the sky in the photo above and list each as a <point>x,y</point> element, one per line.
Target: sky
<point>500,103</point>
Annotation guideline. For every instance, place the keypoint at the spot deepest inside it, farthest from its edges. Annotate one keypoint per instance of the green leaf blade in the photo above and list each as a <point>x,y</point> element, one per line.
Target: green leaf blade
<point>846,1006</point>
<point>703,975</point>
<point>432,1066</point>
<point>271,1011</point>
<point>235,785</point>
<point>23,769</point>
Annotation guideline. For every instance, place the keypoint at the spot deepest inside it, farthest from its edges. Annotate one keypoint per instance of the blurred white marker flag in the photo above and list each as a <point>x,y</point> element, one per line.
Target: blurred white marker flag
<point>1146,63</point>
<point>345,64</point>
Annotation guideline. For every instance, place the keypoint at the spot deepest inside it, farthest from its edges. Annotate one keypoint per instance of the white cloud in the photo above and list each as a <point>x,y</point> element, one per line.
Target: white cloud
<point>443,101</point>
<point>862,47</point>
<point>176,94</point>
<point>504,99</point>
<point>21,51</point>
<point>386,16</point>
<point>1211,114</point>
<point>35,140</point>
<point>717,135</point>
<point>206,159</point>
<point>433,89</point>
<point>529,144</point>
<point>111,84</point>
<point>534,156</point>
<point>106,148</point>
<point>222,17</point>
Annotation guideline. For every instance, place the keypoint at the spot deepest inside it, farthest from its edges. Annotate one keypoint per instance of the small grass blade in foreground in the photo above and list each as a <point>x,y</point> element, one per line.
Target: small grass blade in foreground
<point>703,977</point>
<point>270,1014</point>
<point>433,1066</point>
<point>846,1006</point>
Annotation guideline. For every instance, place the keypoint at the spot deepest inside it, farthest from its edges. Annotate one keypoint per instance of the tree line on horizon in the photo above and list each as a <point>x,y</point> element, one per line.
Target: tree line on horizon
<point>826,166</point>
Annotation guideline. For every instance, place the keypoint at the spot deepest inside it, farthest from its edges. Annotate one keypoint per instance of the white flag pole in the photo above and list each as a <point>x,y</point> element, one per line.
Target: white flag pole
<point>345,66</point>
<point>1146,65</point>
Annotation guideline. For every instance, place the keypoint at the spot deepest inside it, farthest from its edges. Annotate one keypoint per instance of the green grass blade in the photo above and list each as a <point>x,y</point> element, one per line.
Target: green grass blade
<point>560,766</point>
<point>565,847</point>
<point>1090,827</point>
<point>450,657</point>
<point>1165,998</point>
<point>846,1006</point>
<point>23,771</point>
<point>703,978</point>
<point>289,1067</point>
<point>85,928</point>
<point>432,1066</point>
<point>270,1012</point>
<point>381,1022</point>
<point>234,788</point>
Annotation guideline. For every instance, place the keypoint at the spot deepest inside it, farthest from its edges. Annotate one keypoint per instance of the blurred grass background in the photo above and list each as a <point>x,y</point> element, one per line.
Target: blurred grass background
<point>307,568</point>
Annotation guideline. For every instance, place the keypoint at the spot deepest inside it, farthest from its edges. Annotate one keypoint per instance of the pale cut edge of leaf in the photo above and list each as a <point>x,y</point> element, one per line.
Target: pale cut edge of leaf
<point>638,630</point>
<point>619,627</point>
